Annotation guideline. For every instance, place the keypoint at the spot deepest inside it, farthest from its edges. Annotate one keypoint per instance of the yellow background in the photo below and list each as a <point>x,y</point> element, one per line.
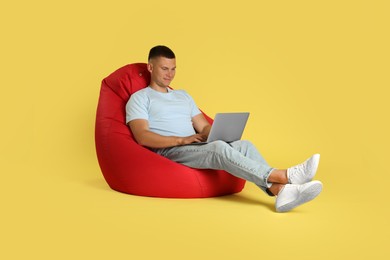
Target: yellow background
<point>313,74</point>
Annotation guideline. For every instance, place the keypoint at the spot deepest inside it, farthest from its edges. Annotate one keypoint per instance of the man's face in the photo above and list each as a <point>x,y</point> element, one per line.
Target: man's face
<point>162,71</point>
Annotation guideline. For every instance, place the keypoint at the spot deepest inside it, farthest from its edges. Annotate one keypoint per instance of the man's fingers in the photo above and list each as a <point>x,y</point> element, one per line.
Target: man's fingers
<point>196,138</point>
<point>200,138</point>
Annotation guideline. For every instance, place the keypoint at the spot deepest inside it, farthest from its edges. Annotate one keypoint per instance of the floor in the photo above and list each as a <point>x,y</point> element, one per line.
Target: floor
<point>60,214</point>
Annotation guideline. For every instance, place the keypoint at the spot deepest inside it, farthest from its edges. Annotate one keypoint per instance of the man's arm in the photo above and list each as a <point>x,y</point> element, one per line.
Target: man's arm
<point>144,137</point>
<point>201,125</point>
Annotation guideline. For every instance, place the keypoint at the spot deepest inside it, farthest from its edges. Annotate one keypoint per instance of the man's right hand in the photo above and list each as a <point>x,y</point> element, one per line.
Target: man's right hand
<point>196,138</point>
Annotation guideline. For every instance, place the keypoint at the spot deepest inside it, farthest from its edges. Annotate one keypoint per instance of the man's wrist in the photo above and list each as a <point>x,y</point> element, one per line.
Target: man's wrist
<point>179,140</point>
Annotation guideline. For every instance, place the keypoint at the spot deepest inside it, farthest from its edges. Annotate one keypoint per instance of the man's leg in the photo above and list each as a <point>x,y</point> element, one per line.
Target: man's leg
<point>299,174</point>
<point>243,160</point>
<point>276,178</point>
<point>239,160</point>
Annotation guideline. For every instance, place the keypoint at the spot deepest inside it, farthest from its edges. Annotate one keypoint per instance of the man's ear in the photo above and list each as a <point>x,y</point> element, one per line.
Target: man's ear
<point>150,67</point>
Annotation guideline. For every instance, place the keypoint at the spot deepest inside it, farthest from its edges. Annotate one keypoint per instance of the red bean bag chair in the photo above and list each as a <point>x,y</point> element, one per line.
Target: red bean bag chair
<point>131,168</point>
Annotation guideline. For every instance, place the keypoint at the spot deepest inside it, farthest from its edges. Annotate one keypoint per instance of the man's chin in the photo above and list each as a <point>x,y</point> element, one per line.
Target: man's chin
<point>164,84</point>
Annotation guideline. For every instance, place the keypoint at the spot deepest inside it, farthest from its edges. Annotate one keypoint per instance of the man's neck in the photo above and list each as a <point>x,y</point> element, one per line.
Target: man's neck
<point>159,89</point>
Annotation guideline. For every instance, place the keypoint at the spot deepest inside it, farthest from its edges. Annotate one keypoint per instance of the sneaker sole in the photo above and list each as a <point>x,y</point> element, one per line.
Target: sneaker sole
<point>316,162</point>
<point>307,195</point>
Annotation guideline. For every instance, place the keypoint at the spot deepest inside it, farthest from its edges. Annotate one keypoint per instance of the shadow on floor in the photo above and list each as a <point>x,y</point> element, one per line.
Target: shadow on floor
<point>242,199</point>
<point>98,183</point>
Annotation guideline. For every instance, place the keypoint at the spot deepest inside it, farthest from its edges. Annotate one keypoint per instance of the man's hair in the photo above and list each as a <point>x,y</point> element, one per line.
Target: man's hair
<point>161,51</point>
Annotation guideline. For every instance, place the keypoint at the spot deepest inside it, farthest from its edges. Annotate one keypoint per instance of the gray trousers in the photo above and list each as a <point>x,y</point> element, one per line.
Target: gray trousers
<point>239,158</point>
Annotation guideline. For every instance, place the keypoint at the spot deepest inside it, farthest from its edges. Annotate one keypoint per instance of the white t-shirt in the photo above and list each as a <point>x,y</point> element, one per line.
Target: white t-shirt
<point>168,114</point>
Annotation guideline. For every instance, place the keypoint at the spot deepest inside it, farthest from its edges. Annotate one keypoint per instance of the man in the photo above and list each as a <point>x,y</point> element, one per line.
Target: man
<point>168,121</point>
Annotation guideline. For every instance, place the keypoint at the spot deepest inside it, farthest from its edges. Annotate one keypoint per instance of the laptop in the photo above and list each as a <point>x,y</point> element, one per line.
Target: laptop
<point>227,127</point>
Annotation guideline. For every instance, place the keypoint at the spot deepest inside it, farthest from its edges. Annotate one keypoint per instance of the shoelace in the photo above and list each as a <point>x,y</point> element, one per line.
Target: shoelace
<point>296,170</point>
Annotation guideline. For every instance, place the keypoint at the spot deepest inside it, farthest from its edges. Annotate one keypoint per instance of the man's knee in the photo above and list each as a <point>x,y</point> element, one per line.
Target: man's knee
<point>244,145</point>
<point>220,146</point>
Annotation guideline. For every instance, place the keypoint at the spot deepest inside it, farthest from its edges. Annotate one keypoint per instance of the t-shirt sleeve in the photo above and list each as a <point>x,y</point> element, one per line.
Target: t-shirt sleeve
<point>194,108</point>
<point>137,107</point>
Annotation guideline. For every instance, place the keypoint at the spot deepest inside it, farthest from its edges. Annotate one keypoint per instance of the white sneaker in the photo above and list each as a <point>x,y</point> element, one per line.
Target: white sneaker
<point>304,172</point>
<point>293,195</point>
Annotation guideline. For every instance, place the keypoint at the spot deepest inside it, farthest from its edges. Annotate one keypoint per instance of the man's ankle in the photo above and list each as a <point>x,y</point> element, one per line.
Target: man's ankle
<point>278,176</point>
<point>275,188</point>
